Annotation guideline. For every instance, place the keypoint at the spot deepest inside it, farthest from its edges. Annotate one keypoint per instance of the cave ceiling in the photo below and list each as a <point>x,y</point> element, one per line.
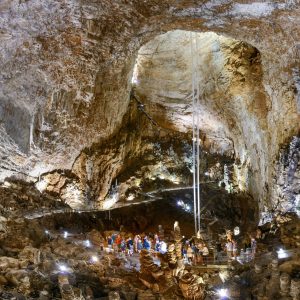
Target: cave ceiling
<point>68,119</point>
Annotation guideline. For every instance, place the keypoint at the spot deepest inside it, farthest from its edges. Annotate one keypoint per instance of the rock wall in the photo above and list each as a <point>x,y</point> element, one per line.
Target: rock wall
<point>287,180</point>
<point>233,102</point>
<point>67,66</point>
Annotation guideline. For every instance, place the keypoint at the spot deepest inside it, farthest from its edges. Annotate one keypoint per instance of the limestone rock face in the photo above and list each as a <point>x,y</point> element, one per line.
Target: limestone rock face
<point>191,287</point>
<point>66,69</point>
<point>287,180</point>
<point>234,102</point>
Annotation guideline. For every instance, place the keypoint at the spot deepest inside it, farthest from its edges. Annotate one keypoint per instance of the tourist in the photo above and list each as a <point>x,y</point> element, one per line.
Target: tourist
<point>113,237</point>
<point>139,246</point>
<point>184,253</point>
<point>147,243</point>
<point>130,246</point>
<point>136,240</point>
<point>195,252</point>
<point>199,257</point>
<point>109,243</point>
<point>229,249</point>
<point>205,253</point>
<point>190,254</point>
<point>253,246</point>
<point>150,240</point>
<point>229,235</point>
<point>163,247</point>
<point>118,242</point>
<point>156,239</point>
<point>115,248</point>
<point>157,245</point>
<point>123,246</point>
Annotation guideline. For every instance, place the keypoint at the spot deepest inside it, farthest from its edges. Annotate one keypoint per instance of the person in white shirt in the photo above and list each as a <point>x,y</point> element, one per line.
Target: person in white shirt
<point>205,253</point>
<point>229,249</point>
<point>190,254</point>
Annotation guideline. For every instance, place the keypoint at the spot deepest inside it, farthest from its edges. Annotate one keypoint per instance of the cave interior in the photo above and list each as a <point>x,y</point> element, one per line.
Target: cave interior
<point>137,134</point>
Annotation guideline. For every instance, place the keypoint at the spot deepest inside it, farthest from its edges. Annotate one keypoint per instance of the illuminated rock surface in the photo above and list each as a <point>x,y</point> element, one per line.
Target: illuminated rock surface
<point>96,113</point>
<point>66,79</point>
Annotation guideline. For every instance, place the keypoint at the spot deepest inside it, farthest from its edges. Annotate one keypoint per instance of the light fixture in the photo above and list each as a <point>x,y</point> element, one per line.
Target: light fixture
<point>63,268</point>
<point>281,253</point>
<point>188,208</point>
<point>224,275</point>
<point>46,231</point>
<point>130,197</point>
<point>87,243</point>
<point>66,234</point>
<point>223,293</point>
<point>163,247</point>
<point>236,230</point>
<point>94,258</point>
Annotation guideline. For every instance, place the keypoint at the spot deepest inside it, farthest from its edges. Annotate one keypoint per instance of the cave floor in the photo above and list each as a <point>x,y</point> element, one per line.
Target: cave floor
<point>64,261</point>
<point>59,256</point>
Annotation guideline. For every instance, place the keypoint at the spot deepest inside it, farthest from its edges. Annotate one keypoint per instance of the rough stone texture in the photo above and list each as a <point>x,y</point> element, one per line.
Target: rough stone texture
<point>66,68</point>
<point>287,179</point>
<point>233,103</point>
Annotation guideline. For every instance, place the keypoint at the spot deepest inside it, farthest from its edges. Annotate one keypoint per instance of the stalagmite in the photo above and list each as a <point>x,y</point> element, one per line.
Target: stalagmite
<point>118,118</point>
<point>66,289</point>
<point>295,289</point>
<point>285,283</point>
<point>178,239</point>
<point>191,287</point>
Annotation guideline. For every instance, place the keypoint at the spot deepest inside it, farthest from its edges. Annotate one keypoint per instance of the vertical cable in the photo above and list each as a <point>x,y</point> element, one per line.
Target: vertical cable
<point>193,127</point>
<point>198,132</point>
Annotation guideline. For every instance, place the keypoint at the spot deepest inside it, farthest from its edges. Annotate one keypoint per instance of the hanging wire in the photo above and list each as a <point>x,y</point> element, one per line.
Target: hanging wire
<point>198,131</point>
<point>193,126</point>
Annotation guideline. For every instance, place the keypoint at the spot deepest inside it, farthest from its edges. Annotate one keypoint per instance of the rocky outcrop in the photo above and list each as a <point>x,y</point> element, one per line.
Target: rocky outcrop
<point>161,279</point>
<point>191,287</point>
<point>287,180</point>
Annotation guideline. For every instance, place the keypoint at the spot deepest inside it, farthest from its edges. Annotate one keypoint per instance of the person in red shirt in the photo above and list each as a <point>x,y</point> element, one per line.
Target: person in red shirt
<point>118,241</point>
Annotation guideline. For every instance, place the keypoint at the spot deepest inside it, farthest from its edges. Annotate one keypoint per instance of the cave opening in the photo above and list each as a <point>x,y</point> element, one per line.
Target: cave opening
<point>162,92</point>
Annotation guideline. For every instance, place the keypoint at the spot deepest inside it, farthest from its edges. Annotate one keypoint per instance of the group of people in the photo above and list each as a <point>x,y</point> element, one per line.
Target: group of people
<point>194,251</point>
<point>231,247</point>
<point>135,244</point>
<point>248,247</point>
